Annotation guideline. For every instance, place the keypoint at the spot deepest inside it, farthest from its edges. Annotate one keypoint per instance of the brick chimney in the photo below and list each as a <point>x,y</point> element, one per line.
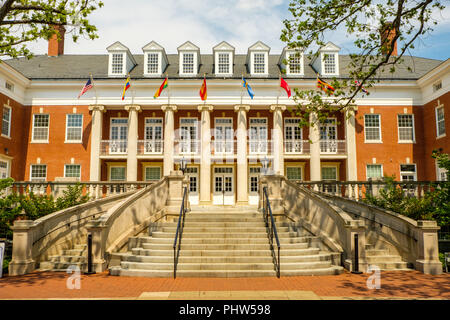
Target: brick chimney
<point>55,47</point>
<point>387,34</point>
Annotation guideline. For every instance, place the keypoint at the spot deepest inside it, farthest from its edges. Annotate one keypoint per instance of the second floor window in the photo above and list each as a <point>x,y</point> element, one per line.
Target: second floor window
<point>6,121</point>
<point>374,171</point>
<point>72,171</point>
<point>406,127</point>
<point>40,127</point>
<point>38,172</point>
<point>188,63</point>
<point>117,63</point>
<point>152,63</point>
<point>74,129</point>
<point>440,121</point>
<point>372,128</point>
<point>259,64</point>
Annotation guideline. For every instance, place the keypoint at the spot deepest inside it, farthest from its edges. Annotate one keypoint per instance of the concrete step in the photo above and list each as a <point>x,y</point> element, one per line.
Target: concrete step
<point>216,229</point>
<point>80,246</point>
<point>383,259</point>
<point>222,234</point>
<point>227,240</point>
<point>68,259</point>
<point>377,252</point>
<point>117,271</point>
<point>61,266</point>
<point>392,265</point>
<point>74,252</point>
<point>223,219</point>
<point>225,259</point>
<point>226,253</point>
<point>236,246</point>
<point>219,214</point>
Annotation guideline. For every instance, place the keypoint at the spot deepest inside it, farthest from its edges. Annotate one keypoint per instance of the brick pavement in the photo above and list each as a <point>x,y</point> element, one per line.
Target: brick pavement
<point>394,284</point>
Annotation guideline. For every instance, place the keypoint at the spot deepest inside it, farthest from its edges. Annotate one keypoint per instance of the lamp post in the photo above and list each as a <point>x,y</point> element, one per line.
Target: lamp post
<point>183,163</point>
<point>265,164</point>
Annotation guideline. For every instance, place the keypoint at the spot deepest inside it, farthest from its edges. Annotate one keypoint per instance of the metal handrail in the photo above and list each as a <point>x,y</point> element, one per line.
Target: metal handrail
<point>271,230</point>
<point>180,227</point>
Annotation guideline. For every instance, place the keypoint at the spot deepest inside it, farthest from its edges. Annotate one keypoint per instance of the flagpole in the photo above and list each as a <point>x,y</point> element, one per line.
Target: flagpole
<point>242,87</point>
<point>168,89</point>
<point>279,85</point>
<point>95,90</point>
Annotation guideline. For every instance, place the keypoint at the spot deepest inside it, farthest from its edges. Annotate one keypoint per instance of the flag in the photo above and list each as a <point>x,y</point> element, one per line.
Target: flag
<point>324,86</point>
<point>285,86</point>
<point>161,88</point>
<point>203,91</point>
<point>249,89</point>
<point>357,83</point>
<point>125,88</point>
<point>86,88</point>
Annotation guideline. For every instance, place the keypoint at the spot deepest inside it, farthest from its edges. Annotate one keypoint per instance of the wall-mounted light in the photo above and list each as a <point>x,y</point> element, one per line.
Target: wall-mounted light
<point>6,151</point>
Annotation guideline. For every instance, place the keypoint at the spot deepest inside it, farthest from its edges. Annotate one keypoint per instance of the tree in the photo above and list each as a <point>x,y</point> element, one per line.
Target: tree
<point>23,21</point>
<point>376,25</point>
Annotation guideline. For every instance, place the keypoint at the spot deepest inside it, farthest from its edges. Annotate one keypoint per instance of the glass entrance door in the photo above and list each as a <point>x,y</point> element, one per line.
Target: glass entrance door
<point>328,136</point>
<point>192,174</point>
<point>223,193</point>
<point>118,135</point>
<point>253,185</point>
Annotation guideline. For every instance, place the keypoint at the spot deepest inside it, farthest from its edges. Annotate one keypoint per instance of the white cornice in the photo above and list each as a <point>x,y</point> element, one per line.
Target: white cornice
<point>434,74</point>
<point>14,75</point>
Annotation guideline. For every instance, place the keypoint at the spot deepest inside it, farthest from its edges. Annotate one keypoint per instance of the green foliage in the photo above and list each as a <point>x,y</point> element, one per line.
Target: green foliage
<point>365,20</point>
<point>23,21</point>
<point>434,205</point>
<point>33,205</point>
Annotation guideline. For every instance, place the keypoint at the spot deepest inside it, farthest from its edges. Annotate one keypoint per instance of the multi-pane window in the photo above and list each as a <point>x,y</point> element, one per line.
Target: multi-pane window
<point>188,63</point>
<point>259,64</point>
<point>72,171</point>
<point>440,121</point>
<point>405,127</point>
<point>74,129</point>
<point>6,121</point>
<point>295,63</point>
<point>329,173</point>
<point>152,173</point>
<point>224,63</point>
<point>9,86</point>
<point>117,63</point>
<point>329,63</point>
<point>442,174</point>
<point>437,86</point>
<point>152,63</point>
<point>408,172</point>
<point>38,172</point>
<point>294,173</point>
<point>374,171</point>
<point>117,173</point>
<point>40,127</point>
<point>3,169</point>
<point>372,127</point>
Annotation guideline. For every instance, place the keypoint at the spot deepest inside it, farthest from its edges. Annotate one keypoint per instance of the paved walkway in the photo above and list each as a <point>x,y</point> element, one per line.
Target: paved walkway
<point>394,285</point>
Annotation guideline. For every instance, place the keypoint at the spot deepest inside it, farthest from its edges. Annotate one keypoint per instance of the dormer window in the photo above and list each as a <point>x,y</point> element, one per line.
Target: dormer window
<point>258,58</point>
<point>223,54</point>
<point>153,63</point>
<point>188,63</point>
<point>326,63</point>
<point>259,64</point>
<point>329,63</point>
<point>224,63</point>
<point>117,63</point>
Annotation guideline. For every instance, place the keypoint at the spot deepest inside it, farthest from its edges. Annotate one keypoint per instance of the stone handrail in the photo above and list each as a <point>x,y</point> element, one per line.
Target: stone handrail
<point>35,241</point>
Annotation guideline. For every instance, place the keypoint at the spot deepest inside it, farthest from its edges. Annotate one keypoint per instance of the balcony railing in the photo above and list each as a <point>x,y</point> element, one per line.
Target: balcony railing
<point>259,147</point>
<point>113,147</point>
<point>187,146</point>
<point>220,147</point>
<point>150,147</point>
<point>296,146</point>
<point>333,146</point>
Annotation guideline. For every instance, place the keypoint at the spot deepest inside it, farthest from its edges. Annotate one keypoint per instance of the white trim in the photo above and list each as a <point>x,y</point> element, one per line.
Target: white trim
<point>124,63</point>
<point>8,165</point>
<point>336,63</point>
<point>70,164</point>
<point>67,120</point>
<point>375,164</point>
<point>195,62</point>
<point>408,172</point>
<point>380,140</point>
<point>230,63</point>
<point>36,164</point>
<point>118,125</point>
<point>32,129</point>
<point>266,63</point>
<point>413,128</point>
<point>288,63</point>
<point>9,121</point>
<point>437,121</point>
<point>159,72</point>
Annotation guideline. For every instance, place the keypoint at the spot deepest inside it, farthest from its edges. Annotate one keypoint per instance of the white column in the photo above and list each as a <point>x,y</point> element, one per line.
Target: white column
<point>277,139</point>
<point>314,136</point>
<point>169,136</point>
<point>132,141</point>
<point>350,139</point>
<point>241,137</point>
<point>205,163</point>
<point>96,138</point>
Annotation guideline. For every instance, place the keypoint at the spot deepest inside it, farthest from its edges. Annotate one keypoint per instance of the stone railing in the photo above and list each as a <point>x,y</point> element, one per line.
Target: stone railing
<point>150,147</point>
<point>113,147</point>
<point>95,190</point>
<point>256,147</point>
<point>357,190</point>
<point>35,241</point>
<point>297,146</point>
<point>336,220</point>
<point>333,146</point>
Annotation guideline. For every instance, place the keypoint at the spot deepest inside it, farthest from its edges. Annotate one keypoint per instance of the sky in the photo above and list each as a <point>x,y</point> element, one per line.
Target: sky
<point>208,22</point>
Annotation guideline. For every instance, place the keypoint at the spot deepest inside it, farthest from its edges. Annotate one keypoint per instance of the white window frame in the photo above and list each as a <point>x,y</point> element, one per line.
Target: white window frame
<point>374,164</point>
<point>31,171</point>
<point>408,172</point>
<point>413,128</point>
<point>154,125</point>
<point>48,128</point>
<point>266,68</point>
<point>67,127</point>
<point>336,63</point>
<point>288,63</point>
<point>439,171</point>
<point>195,62</point>
<point>8,166</point>
<point>437,86</point>
<point>124,63</point>
<point>257,141</point>
<point>379,129</point>
<point>230,64</point>
<point>65,170</point>
<point>152,166</point>
<point>159,71</point>
<point>9,86</point>
<point>437,122</point>
<point>9,121</point>
<point>117,166</point>
<point>198,134</point>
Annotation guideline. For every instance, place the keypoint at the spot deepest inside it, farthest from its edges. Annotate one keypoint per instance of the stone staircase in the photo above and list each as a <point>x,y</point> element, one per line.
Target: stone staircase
<point>384,260</point>
<point>70,258</point>
<point>223,242</point>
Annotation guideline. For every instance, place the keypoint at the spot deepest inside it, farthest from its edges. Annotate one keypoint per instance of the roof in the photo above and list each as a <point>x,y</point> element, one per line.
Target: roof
<point>80,66</point>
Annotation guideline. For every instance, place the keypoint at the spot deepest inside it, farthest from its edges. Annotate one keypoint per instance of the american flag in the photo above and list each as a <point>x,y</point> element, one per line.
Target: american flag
<point>86,88</point>
<point>357,83</point>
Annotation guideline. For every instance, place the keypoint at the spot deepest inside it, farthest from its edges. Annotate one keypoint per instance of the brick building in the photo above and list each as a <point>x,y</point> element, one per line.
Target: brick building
<point>49,134</point>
